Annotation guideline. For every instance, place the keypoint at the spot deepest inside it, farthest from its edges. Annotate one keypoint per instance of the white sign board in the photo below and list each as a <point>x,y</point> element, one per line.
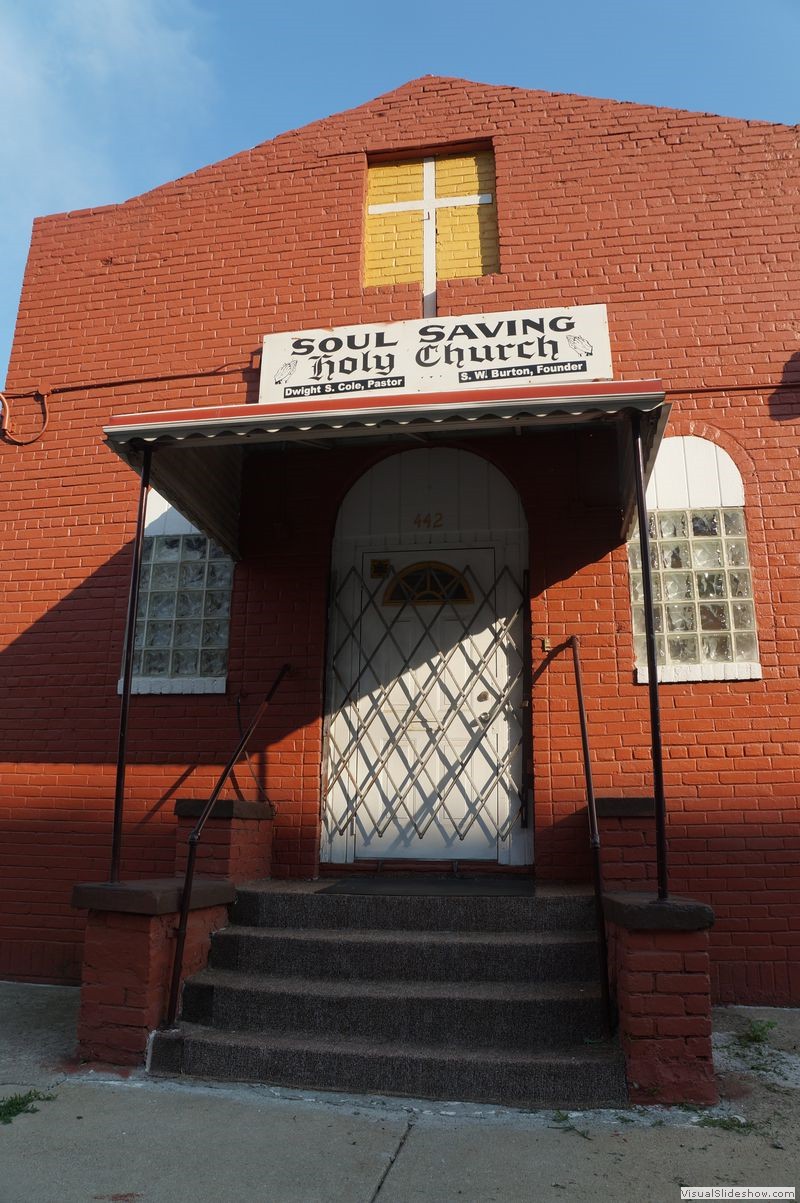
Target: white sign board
<point>438,355</point>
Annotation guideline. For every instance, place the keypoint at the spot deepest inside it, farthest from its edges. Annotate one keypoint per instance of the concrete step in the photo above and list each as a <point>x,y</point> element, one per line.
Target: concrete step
<point>485,993</point>
<point>524,1017</point>
<point>409,955</point>
<point>582,1077</point>
<point>266,904</point>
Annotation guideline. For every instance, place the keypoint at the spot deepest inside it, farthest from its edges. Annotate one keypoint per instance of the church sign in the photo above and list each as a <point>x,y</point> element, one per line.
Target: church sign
<point>438,355</point>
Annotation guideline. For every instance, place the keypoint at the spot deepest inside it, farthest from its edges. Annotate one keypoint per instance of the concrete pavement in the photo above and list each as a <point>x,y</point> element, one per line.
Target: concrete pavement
<point>139,1140</point>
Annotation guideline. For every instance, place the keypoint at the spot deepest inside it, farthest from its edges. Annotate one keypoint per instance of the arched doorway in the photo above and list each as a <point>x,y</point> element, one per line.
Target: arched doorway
<point>426,665</point>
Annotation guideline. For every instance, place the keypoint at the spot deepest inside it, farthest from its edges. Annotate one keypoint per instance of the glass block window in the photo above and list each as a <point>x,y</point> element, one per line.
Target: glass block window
<point>704,614</point>
<point>184,607</point>
<point>702,588</point>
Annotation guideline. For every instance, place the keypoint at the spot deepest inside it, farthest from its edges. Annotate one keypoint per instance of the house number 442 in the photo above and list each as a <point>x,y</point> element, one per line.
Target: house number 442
<point>429,521</point>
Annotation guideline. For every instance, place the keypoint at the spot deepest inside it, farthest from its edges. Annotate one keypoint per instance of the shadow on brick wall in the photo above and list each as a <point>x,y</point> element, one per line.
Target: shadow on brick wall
<point>784,402</point>
<point>59,698</point>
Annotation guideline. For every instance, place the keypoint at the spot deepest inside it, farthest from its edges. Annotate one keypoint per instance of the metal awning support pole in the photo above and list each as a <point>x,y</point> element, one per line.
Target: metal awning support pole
<point>652,667</point>
<point>127,671</point>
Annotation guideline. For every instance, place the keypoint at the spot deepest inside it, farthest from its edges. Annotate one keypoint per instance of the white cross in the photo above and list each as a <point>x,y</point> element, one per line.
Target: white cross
<point>429,203</point>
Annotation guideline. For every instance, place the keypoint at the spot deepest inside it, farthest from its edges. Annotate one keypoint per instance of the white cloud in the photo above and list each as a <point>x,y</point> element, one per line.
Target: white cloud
<point>100,98</point>
<point>144,46</point>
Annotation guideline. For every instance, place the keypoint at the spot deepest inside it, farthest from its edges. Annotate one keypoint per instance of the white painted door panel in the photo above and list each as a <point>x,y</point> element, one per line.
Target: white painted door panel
<point>434,796</point>
<point>424,698</point>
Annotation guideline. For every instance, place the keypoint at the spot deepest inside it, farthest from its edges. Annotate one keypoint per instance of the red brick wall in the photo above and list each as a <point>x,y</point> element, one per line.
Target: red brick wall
<point>628,852</point>
<point>237,849</point>
<point>680,222</point>
<point>661,986</point>
<point>127,970</point>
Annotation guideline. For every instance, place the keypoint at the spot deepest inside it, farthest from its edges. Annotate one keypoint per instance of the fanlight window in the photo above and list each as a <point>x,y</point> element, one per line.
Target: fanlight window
<point>428,584</point>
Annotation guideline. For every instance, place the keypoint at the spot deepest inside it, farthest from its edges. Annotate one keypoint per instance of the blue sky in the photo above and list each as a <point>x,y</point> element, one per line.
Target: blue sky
<point>104,99</point>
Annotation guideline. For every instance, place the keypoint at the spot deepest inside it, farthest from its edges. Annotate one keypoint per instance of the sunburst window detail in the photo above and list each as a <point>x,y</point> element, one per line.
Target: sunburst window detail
<point>428,584</point>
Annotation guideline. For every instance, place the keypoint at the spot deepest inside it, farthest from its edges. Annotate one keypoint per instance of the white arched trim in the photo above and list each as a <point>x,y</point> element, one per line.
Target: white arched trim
<point>162,519</point>
<point>692,473</point>
<point>431,497</point>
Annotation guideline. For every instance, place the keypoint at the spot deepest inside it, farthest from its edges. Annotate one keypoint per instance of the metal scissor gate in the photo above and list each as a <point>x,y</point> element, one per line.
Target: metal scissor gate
<point>424,731</point>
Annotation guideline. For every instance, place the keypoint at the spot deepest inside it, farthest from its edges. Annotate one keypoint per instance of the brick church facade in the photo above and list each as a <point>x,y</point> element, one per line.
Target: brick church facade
<point>141,327</point>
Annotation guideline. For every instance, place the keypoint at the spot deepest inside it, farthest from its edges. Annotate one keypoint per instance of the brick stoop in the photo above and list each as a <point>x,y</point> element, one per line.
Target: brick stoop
<point>474,997</point>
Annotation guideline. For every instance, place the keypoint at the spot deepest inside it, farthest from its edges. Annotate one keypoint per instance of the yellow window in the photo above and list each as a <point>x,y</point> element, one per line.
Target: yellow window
<point>431,219</point>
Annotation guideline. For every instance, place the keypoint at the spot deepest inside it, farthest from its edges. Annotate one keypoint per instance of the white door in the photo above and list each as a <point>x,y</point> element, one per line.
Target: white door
<point>431,725</point>
<point>424,739</point>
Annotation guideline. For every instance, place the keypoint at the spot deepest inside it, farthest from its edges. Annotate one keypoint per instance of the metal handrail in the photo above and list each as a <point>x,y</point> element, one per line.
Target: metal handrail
<point>594,835</point>
<point>573,644</point>
<point>194,839</point>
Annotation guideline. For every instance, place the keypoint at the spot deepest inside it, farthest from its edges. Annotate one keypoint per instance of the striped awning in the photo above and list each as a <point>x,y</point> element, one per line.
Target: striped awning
<point>197,465</point>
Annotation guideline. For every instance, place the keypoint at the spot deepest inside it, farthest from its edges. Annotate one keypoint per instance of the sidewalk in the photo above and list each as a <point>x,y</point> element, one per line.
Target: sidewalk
<point>139,1140</point>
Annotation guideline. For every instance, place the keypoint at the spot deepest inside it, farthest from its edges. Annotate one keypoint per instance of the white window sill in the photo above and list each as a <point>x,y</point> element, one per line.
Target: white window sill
<point>673,673</point>
<point>176,685</point>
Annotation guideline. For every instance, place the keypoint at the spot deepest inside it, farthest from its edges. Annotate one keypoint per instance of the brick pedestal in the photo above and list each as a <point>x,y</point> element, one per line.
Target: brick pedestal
<point>236,842</point>
<point>660,973</point>
<point>128,956</point>
<point>628,842</point>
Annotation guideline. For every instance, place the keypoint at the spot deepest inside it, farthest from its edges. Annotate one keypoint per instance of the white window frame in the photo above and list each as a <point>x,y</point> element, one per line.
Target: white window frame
<point>162,519</point>
<point>692,473</point>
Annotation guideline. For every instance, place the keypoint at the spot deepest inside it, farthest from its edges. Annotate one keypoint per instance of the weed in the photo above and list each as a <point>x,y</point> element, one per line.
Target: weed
<point>756,1032</point>
<point>560,1117</point>
<point>22,1104</point>
<point>726,1123</point>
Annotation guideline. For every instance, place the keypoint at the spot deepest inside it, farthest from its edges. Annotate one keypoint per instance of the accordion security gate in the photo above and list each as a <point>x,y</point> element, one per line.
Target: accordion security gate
<point>424,732</point>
